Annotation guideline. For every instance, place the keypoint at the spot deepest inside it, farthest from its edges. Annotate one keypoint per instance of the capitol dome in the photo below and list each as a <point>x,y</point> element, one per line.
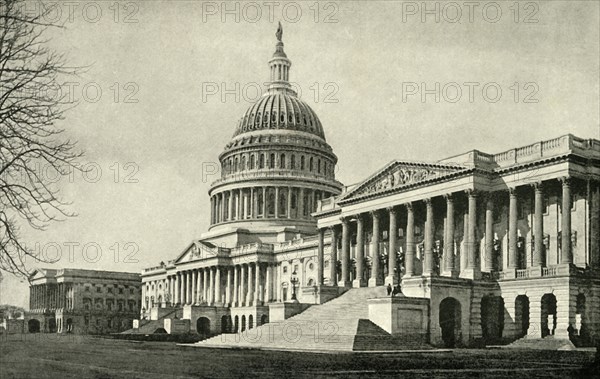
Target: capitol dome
<point>277,165</point>
<point>280,110</point>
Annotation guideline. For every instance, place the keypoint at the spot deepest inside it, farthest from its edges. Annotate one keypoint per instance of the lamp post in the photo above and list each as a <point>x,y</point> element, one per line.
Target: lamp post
<point>294,280</point>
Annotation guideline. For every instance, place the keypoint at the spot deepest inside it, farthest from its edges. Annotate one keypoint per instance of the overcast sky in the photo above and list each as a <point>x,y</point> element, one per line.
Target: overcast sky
<point>162,68</point>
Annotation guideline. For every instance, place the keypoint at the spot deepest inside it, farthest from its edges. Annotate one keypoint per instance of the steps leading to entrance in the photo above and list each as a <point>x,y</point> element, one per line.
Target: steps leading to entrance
<point>341,324</point>
<point>546,343</point>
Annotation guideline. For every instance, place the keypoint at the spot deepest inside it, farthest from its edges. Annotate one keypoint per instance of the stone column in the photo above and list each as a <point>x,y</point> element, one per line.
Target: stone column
<point>333,257</point>
<point>449,269</point>
<point>277,194</point>
<point>473,270</point>
<point>565,236</point>
<point>375,279</point>
<point>242,298</point>
<point>250,293</point>
<point>229,198</point>
<point>211,287</point>
<point>360,251</point>
<point>289,202</point>
<point>194,287</point>
<point>489,234</point>
<point>428,243</point>
<point>254,202</point>
<point>269,284</point>
<point>301,203</point>
<point>345,282</point>
<point>512,229</point>
<point>236,283</point>
<point>240,212</point>
<point>320,257</point>
<point>189,288</point>
<point>264,204</point>
<point>257,297</point>
<point>279,282</point>
<point>206,286</point>
<point>199,286</point>
<point>393,276</point>
<point>218,292</point>
<point>409,259</point>
<point>228,288</point>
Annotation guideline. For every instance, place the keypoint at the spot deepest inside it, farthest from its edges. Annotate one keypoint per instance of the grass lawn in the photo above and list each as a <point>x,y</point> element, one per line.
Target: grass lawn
<point>52,356</point>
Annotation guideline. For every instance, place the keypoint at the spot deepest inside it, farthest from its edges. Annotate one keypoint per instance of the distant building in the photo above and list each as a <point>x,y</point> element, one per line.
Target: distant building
<point>82,301</point>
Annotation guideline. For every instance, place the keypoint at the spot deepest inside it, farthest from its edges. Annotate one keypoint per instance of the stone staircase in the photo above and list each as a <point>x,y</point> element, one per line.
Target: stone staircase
<point>150,326</point>
<point>546,343</point>
<point>342,324</point>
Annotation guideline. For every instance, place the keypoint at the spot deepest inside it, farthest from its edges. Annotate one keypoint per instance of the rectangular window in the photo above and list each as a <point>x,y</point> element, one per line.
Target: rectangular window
<point>98,289</point>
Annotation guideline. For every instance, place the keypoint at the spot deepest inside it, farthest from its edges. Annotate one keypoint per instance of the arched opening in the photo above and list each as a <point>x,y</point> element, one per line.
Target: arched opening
<point>264,319</point>
<point>252,162</point>
<point>293,162</point>
<point>236,324</point>
<point>492,318</point>
<point>203,326</point>
<point>282,161</point>
<point>250,322</point>
<point>450,321</point>
<point>521,315</point>
<point>160,331</point>
<point>52,325</point>
<point>581,335</point>
<point>302,164</point>
<point>224,324</point>
<point>272,161</point>
<point>548,321</point>
<point>33,326</point>
<point>310,164</point>
<point>261,161</point>
<point>243,323</point>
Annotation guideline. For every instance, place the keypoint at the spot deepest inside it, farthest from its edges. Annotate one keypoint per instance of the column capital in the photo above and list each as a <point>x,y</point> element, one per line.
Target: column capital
<point>392,210</point>
<point>409,207</point>
<point>537,186</point>
<point>472,192</point>
<point>566,181</point>
<point>512,191</point>
<point>449,197</point>
<point>344,220</point>
<point>427,201</point>
<point>374,214</point>
<point>360,217</point>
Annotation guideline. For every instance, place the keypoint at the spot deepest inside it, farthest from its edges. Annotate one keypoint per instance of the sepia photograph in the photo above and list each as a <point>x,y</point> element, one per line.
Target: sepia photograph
<point>299,189</point>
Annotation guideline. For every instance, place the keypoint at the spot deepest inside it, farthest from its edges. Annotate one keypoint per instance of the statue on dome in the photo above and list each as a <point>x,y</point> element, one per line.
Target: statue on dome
<point>279,32</point>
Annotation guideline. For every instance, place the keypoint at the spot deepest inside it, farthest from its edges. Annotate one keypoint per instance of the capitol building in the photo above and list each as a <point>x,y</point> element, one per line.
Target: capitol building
<point>479,248</point>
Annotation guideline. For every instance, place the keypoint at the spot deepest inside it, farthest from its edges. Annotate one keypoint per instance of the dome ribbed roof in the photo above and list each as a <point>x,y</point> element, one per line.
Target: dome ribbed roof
<point>280,111</point>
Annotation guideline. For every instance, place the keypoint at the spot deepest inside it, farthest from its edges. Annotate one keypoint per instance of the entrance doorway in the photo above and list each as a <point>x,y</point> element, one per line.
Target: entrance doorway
<point>521,315</point>
<point>548,320</point>
<point>203,326</point>
<point>33,326</point>
<point>450,321</point>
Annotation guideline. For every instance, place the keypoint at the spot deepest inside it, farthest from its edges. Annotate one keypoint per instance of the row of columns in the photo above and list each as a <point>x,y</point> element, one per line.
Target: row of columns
<point>470,265</point>
<point>55,296</point>
<point>239,285</point>
<point>243,203</point>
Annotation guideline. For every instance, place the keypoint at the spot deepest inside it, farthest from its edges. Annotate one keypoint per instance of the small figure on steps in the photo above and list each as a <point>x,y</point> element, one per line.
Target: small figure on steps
<point>389,289</point>
<point>397,290</point>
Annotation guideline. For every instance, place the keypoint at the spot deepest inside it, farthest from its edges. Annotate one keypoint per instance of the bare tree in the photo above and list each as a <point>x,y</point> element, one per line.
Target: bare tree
<point>30,108</point>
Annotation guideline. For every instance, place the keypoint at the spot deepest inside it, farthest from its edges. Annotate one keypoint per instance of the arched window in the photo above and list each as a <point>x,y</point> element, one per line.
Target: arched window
<point>252,162</point>
<point>261,161</point>
<point>293,162</point>
<point>235,164</point>
<point>319,166</point>
<point>283,203</point>
<point>310,164</point>
<point>272,161</point>
<point>230,167</point>
<point>243,163</point>
<point>302,162</point>
<point>282,161</point>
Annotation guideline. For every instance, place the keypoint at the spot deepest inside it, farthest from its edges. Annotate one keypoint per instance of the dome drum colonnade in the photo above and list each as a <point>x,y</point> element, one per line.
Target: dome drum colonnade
<point>437,256</point>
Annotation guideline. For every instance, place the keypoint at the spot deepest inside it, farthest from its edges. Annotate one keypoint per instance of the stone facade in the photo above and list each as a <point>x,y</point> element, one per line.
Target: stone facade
<point>484,246</point>
<point>82,301</point>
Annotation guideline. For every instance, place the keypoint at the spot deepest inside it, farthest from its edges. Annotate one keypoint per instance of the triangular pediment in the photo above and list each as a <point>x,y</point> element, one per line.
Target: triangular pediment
<point>197,250</point>
<point>398,174</point>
